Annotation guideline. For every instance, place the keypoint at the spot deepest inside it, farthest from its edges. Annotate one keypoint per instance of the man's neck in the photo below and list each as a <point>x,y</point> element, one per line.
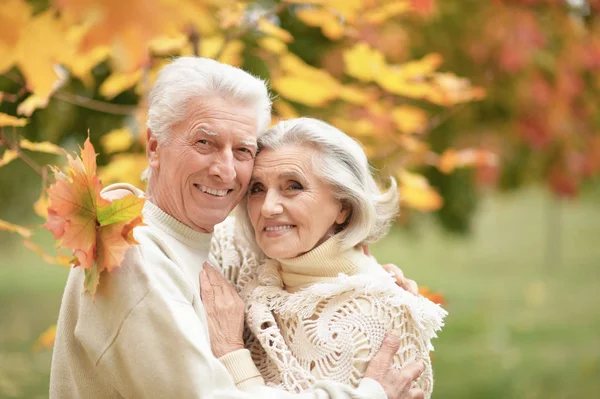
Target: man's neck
<point>158,198</point>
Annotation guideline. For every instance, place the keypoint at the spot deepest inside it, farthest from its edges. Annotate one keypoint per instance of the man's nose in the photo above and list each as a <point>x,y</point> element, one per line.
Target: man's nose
<point>272,205</point>
<point>223,167</point>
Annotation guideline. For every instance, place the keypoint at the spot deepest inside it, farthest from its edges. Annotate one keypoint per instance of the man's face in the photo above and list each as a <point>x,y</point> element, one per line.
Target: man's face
<point>203,170</point>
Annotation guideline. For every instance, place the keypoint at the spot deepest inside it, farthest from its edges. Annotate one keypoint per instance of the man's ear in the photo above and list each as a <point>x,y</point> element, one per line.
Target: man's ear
<point>152,150</point>
<point>343,215</point>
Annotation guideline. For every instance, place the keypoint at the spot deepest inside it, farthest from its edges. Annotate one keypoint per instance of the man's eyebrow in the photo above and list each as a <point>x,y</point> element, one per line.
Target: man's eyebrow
<point>207,132</point>
<point>250,143</point>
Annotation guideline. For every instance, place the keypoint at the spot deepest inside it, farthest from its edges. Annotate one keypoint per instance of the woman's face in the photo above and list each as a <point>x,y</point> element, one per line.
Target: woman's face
<point>291,210</point>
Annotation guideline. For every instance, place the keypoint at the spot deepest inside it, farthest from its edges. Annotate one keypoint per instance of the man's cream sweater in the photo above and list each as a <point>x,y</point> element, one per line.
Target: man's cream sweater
<point>145,335</point>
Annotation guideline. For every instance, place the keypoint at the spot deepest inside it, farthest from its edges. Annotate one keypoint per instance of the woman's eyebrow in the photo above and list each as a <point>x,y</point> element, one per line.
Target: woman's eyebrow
<point>291,174</point>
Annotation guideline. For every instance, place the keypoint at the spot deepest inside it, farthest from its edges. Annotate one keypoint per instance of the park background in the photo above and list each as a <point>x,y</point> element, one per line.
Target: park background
<point>486,112</point>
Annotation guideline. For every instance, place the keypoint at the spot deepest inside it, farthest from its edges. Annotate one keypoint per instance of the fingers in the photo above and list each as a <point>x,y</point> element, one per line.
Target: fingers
<point>412,371</point>
<point>408,284</point>
<point>207,293</point>
<point>412,287</point>
<point>385,356</point>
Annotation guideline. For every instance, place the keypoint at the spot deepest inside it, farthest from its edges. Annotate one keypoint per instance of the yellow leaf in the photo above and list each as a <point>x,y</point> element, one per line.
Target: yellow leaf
<point>360,128</point>
<point>30,104</point>
<point>118,82</point>
<point>42,47</point>
<point>41,205</point>
<point>285,109</point>
<point>8,156</point>
<point>44,146</point>
<point>450,90</point>
<point>422,67</point>
<point>125,168</point>
<point>60,259</point>
<point>416,192</point>
<point>210,47</point>
<point>46,339</point>
<point>14,15</point>
<point>354,95</point>
<point>232,15</point>
<point>22,231</point>
<point>166,45</point>
<point>117,140</point>
<point>272,45</point>
<point>392,80</point>
<point>409,119</point>
<point>386,11</point>
<point>9,120</point>
<point>363,62</point>
<point>330,24</point>
<point>273,30</point>
<point>304,91</point>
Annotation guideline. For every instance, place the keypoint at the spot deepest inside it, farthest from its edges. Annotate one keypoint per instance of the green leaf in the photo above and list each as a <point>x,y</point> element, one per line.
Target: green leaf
<point>120,210</point>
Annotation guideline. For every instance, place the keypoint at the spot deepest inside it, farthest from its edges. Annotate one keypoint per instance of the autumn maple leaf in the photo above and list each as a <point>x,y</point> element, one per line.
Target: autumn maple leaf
<point>435,297</point>
<point>96,230</point>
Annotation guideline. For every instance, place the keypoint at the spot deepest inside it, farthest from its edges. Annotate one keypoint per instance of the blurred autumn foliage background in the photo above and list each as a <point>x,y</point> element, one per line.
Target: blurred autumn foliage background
<point>486,111</point>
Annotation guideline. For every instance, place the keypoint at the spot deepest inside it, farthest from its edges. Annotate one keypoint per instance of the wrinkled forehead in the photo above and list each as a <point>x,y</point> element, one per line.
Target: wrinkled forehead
<point>293,159</point>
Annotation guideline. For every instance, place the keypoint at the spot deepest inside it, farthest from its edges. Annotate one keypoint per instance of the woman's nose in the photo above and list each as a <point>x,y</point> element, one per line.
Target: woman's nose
<point>272,205</point>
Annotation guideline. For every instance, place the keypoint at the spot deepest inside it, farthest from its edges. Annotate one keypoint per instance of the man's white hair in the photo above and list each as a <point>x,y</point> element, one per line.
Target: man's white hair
<point>340,162</point>
<point>188,78</point>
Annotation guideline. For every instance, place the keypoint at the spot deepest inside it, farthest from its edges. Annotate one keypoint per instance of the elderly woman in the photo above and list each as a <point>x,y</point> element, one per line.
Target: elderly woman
<point>318,307</point>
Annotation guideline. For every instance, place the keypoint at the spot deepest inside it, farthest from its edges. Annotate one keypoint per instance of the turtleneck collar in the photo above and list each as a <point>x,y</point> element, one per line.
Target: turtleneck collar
<point>322,263</point>
<point>173,227</point>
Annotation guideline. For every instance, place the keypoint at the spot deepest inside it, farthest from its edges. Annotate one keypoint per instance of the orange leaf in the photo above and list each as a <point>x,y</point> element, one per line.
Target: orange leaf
<point>452,159</point>
<point>46,339</point>
<point>22,231</point>
<point>435,297</point>
<point>96,230</point>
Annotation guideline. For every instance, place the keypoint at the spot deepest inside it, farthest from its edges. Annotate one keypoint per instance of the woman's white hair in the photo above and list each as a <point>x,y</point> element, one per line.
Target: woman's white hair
<point>189,78</point>
<point>340,162</point>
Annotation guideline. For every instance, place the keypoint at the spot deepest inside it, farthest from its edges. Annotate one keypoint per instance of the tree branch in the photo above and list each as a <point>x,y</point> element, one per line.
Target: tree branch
<point>95,105</point>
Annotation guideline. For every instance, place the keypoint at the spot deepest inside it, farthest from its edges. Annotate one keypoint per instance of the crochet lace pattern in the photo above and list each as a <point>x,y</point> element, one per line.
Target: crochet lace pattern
<point>329,330</point>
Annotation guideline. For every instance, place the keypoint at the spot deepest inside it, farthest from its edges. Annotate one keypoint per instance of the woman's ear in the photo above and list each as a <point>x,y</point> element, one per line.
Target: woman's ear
<point>343,215</point>
<point>151,150</point>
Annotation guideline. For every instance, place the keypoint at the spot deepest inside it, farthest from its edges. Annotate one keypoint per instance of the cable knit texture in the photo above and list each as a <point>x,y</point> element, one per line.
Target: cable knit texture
<point>324,315</point>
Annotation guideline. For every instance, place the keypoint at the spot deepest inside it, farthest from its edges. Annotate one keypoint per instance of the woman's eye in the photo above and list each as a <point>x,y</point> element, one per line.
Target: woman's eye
<point>256,188</point>
<point>295,186</point>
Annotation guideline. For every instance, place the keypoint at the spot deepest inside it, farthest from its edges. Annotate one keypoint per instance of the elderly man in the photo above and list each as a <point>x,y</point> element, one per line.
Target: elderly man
<point>146,333</point>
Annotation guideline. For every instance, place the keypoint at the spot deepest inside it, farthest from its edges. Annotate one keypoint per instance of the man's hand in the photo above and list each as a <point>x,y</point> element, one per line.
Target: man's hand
<point>224,312</point>
<point>403,282</point>
<point>116,194</point>
<point>406,283</point>
<point>398,384</point>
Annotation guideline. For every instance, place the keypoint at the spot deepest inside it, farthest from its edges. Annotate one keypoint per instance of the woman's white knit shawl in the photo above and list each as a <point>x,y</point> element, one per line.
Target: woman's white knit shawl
<point>330,330</point>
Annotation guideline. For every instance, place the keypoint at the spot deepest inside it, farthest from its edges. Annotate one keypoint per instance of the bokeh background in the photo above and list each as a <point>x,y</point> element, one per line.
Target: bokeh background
<point>486,112</point>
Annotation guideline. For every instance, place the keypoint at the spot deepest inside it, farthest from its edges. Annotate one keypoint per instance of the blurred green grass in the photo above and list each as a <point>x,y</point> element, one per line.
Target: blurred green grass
<point>524,312</point>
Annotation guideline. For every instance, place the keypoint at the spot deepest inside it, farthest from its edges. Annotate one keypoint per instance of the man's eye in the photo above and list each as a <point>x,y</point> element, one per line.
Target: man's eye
<point>202,141</point>
<point>246,151</point>
<point>295,186</point>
